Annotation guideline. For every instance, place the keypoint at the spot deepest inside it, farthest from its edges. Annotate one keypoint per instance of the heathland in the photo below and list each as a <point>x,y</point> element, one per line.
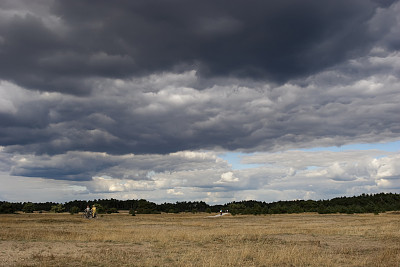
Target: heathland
<point>197,239</point>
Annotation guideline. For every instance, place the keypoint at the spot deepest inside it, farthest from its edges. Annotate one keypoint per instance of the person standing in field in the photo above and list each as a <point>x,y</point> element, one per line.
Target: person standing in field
<point>93,211</point>
<point>87,211</point>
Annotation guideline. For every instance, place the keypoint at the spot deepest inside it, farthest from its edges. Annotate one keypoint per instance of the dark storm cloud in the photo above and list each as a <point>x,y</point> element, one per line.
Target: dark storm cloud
<point>63,45</point>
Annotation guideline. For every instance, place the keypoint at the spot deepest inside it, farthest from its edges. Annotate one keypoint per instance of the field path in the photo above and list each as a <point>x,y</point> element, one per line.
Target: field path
<point>218,215</point>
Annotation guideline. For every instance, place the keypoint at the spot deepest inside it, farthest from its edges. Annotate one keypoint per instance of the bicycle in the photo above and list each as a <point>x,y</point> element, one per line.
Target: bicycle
<point>87,215</point>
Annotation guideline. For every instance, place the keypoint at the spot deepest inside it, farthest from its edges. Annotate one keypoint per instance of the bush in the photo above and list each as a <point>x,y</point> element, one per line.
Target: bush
<point>74,210</point>
<point>29,207</point>
<point>132,212</point>
<point>6,208</point>
<point>57,208</point>
<point>173,210</point>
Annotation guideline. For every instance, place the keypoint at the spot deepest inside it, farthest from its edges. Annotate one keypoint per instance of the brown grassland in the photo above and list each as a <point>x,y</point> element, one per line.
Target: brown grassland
<point>198,240</point>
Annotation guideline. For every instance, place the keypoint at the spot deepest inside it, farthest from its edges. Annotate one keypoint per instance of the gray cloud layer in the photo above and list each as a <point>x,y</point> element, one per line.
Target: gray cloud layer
<point>119,120</point>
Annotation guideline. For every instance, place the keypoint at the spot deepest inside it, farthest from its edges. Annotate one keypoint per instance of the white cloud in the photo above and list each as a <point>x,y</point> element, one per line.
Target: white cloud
<point>227,177</point>
<point>109,185</point>
<point>200,175</point>
<point>175,192</point>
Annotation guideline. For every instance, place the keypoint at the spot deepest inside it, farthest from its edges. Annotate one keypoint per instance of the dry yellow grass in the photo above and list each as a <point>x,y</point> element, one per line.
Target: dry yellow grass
<point>196,240</point>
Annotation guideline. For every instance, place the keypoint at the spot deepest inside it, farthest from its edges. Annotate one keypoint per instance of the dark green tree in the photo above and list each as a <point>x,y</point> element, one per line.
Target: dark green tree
<point>74,210</point>
<point>57,208</point>
<point>29,207</point>
<point>6,207</point>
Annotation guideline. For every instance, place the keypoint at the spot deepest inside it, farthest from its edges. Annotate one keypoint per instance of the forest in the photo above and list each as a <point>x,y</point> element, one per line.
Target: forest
<point>365,203</point>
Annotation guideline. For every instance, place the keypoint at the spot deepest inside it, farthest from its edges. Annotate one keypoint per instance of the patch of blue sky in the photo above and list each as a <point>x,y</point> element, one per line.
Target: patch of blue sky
<point>389,147</point>
<point>311,168</point>
<point>234,158</point>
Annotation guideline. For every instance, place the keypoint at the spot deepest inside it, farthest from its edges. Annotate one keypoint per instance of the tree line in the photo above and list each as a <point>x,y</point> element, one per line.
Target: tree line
<point>365,203</point>
<point>374,203</point>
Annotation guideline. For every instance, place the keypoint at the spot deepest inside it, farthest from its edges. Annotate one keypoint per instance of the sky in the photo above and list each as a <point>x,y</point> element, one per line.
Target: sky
<point>215,101</point>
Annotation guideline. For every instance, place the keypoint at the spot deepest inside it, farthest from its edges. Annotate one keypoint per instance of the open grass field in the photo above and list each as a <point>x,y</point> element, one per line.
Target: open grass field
<point>198,240</point>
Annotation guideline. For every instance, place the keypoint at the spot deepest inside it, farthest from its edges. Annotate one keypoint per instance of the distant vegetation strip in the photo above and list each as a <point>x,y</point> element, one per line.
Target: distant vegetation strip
<point>365,203</point>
